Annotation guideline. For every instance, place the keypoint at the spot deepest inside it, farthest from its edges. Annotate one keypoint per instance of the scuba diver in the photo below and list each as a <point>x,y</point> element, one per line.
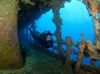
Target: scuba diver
<point>44,39</point>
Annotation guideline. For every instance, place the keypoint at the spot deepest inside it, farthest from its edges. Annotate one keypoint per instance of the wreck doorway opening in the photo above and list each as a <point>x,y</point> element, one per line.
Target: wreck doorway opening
<point>76,20</point>
<point>44,23</point>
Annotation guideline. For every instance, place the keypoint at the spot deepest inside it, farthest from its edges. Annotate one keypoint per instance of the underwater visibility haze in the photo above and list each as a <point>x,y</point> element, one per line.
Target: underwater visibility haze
<point>55,37</point>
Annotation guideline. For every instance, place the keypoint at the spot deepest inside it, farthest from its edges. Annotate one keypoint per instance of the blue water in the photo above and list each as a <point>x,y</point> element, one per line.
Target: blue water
<point>76,20</point>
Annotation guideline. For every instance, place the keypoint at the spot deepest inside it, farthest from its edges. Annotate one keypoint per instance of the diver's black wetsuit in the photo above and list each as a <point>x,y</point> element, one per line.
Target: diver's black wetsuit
<point>41,38</point>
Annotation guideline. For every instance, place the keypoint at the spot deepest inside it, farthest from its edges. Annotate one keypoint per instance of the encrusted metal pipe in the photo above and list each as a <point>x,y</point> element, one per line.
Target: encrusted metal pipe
<point>68,50</point>
<point>56,5</point>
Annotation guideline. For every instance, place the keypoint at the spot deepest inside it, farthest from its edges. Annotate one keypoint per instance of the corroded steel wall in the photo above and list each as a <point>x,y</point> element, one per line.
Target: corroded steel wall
<point>10,57</point>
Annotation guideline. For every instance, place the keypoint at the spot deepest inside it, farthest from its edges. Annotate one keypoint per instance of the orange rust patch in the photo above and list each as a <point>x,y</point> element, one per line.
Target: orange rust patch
<point>4,16</point>
<point>94,8</point>
<point>93,5</point>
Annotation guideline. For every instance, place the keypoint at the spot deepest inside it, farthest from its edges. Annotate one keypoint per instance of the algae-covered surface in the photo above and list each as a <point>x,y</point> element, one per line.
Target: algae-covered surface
<point>41,62</point>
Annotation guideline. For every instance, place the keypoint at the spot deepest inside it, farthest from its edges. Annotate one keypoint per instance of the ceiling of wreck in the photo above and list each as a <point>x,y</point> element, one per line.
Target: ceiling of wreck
<point>31,10</point>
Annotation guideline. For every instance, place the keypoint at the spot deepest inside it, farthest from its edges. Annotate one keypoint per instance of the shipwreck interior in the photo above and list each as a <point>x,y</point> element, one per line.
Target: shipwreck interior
<point>21,54</point>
